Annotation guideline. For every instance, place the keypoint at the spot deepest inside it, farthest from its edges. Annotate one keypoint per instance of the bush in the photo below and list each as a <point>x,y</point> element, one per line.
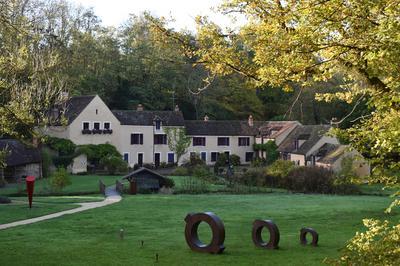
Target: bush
<point>193,161</point>
<point>234,159</point>
<point>169,183</point>
<point>280,168</point>
<point>62,146</point>
<point>258,162</point>
<point>315,180</point>
<point>181,171</point>
<point>59,179</point>
<point>113,164</point>
<point>95,153</point>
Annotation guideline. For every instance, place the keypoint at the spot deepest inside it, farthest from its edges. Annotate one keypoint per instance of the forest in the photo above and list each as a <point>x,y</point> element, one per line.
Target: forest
<point>131,64</point>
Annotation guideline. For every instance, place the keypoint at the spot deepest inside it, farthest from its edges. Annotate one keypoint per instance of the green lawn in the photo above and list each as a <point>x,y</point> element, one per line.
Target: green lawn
<point>19,208</point>
<point>91,237</point>
<point>81,184</point>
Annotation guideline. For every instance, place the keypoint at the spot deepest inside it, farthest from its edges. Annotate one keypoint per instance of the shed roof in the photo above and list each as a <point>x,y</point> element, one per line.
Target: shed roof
<point>19,154</point>
<point>131,175</point>
<point>333,155</point>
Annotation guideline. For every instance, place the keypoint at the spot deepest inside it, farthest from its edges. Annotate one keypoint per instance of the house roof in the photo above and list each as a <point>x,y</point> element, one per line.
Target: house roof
<point>75,106</point>
<point>146,118</point>
<point>311,134</point>
<point>220,128</point>
<point>274,129</point>
<point>333,154</point>
<point>132,175</point>
<point>19,154</point>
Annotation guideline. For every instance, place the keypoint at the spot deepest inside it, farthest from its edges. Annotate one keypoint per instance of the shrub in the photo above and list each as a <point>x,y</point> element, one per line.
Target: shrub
<point>316,180</point>
<point>59,179</point>
<point>166,190</point>
<point>149,166</point>
<point>62,146</point>
<point>113,164</point>
<point>280,168</point>
<point>258,162</point>
<point>97,152</point>
<point>169,183</point>
<point>193,161</point>
<point>234,159</point>
<point>181,171</point>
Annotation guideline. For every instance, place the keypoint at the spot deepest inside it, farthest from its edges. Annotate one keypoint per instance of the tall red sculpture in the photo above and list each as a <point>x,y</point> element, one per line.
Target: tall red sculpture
<point>30,181</point>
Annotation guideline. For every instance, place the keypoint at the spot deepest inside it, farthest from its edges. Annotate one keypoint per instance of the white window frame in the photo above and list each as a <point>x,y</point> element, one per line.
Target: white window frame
<point>168,153</point>
<point>97,122</point>
<point>229,139</point>
<point>137,156</point>
<point>129,157</point>
<point>206,155</point>
<point>211,156</point>
<point>139,138</point>
<point>86,122</point>
<point>107,122</point>
<point>240,137</point>
<point>154,159</point>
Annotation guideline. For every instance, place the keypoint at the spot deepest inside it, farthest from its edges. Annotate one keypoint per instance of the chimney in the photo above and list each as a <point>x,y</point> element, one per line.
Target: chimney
<point>139,107</point>
<point>176,108</point>
<point>251,121</point>
<point>206,118</point>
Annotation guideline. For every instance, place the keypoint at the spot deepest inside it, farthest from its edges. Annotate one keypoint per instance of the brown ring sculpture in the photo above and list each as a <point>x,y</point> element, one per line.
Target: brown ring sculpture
<point>218,232</point>
<point>303,239</point>
<point>273,242</point>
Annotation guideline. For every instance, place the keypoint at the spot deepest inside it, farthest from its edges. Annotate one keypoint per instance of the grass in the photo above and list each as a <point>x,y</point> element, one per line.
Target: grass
<point>81,184</point>
<point>19,208</point>
<point>92,237</point>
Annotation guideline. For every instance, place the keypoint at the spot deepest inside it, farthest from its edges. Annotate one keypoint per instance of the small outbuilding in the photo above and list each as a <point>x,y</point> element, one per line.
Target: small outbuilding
<point>145,179</point>
<point>21,160</point>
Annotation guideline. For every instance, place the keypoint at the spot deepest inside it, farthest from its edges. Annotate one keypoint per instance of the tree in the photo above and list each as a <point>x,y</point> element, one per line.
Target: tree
<point>178,141</point>
<point>30,84</point>
<point>287,43</point>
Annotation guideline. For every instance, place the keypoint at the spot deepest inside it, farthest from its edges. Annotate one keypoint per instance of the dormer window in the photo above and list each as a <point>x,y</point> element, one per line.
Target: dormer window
<point>158,124</point>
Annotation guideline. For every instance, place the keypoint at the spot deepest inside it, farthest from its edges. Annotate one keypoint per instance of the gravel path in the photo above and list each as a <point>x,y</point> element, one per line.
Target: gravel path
<point>112,197</point>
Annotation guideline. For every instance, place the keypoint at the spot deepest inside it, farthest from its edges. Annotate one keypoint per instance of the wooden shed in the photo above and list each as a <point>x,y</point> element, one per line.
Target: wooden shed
<point>145,179</point>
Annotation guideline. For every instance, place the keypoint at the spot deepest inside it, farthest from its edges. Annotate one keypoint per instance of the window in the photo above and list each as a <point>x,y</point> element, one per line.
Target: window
<point>158,124</point>
<point>126,157</point>
<point>245,141</point>
<point>203,155</point>
<point>160,139</point>
<point>199,141</point>
<point>192,155</point>
<point>136,139</point>
<point>107,125</point>
<point>249,156</point>
<point>96,125</point>
<point>227,154</point>
<point>214,156</point>
<point>171,157</point>
<point>97,111</point>
<point>85,125</point>
<point>296,144</point>
<point>140,159</point>
<point>223,141</point>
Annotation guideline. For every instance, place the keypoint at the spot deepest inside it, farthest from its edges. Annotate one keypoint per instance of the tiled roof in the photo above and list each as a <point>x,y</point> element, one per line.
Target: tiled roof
<point>221,128</point>
<point>274,129</point>
<point>19,154</point>
<point>75,106</point>
<point>333,154</point>
<point>146,118</point>
<point>310,133</point>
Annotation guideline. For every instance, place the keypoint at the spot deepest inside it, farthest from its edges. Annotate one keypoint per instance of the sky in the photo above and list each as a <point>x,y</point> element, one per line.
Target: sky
<point>115,12</point>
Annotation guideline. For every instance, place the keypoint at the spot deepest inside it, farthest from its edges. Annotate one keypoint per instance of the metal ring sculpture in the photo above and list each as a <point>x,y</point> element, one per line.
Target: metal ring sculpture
<point>303,239</point>
<point>218,232</point>
<point>273,242</point>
